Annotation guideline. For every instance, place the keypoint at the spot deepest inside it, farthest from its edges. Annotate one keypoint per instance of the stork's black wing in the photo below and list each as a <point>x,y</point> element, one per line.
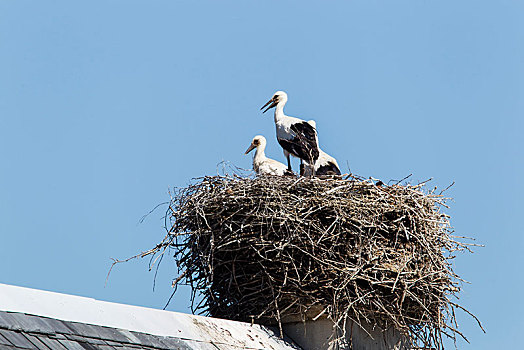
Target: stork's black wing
<point>304,144</point>
<point>328,169</point>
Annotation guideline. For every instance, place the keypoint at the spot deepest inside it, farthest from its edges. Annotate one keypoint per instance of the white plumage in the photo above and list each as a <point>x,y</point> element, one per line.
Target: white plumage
<point>296,136</point>
<point>262,164</point>
<point>324,165</point>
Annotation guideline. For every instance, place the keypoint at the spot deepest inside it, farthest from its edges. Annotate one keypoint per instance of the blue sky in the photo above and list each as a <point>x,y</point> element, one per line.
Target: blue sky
<point>106,105</point>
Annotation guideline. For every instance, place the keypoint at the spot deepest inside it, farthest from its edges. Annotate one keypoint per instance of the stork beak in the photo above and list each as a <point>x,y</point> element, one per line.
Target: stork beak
<point>273,104</point>
<point>250,148</point>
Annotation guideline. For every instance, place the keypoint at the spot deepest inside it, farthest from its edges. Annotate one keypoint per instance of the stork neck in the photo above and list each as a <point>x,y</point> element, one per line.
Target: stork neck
<point>279,111</point>
<point>260,154</point>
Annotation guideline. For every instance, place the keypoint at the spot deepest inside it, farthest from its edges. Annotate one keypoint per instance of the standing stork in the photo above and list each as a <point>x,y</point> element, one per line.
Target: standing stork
<point>296,136</point>
<point>324,165</point>
<point>262,164</point>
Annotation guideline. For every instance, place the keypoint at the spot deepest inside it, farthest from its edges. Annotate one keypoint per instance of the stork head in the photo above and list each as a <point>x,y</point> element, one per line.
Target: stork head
<point>258,141</point>
<point>278,97</point>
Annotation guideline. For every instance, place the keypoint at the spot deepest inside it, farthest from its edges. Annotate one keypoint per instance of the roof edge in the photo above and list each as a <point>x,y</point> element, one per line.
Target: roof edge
<point>73,308</point>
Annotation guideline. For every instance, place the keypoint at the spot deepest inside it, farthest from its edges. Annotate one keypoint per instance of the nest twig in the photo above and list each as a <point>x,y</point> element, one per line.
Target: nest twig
<point>268,248</point>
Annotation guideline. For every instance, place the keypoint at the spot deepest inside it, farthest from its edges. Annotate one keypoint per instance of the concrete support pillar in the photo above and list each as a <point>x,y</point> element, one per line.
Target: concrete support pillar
<point>316,335</point>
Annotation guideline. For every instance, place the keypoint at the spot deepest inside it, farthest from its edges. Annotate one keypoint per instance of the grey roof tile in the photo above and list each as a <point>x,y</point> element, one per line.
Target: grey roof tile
<point>32,323</point>
<point>17,339</point>
<point>7,321</point>
<point>89,346</point>
<point>57,336</point>
<point>106,347</point>
<point>77,338</point>
<point>151,341</point>
<point>131,338</point>
<point>71,345</point>
<point>83,329</point>
<point>113,343</point>
<point>19,321</point>
<point>183,344</point>
<point>4,341</point>
<point>36,342</point>
<point>52,343</point>
<point>7,347</point>
<point>81,339</point>
<point>198,345</point>
<point>96,341</point>
<point>56,326</point>
<point>109,334</point>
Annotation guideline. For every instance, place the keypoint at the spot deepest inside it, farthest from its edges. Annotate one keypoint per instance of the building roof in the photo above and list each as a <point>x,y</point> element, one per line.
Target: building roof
<point>35,319</point>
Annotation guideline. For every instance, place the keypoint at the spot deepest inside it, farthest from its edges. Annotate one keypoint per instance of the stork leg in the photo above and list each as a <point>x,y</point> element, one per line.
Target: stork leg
<point>288,163</point>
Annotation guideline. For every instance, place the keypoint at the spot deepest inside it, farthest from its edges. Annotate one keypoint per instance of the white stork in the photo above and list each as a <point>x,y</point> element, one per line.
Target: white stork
<point>262,164</point>
<point>324,165</point>
<point>296,136</point>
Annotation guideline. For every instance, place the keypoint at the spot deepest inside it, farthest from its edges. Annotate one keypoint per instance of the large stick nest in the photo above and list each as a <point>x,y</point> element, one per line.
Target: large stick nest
<point>271,248</point>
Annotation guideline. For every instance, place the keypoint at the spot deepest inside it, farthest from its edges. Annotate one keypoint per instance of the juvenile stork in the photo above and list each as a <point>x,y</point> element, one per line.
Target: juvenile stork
<point>262,164</point>
<point>324,165</point>
<point>296,136</point>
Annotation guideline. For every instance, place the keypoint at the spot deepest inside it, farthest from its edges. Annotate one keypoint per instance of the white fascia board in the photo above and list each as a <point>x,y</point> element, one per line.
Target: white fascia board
<point>135,318</point>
